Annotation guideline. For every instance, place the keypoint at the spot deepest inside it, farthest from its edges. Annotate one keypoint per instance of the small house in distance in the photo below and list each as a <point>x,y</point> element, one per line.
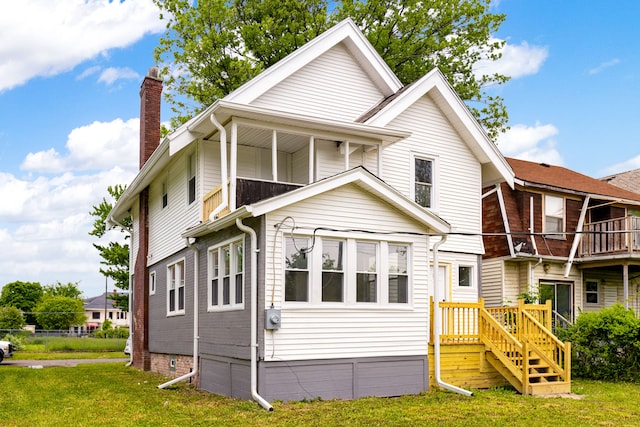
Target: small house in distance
<point>99,308</point>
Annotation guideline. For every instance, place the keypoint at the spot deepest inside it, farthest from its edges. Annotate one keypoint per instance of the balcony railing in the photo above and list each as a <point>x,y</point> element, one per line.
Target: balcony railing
<point>248,191</point>
<point>613,236</point>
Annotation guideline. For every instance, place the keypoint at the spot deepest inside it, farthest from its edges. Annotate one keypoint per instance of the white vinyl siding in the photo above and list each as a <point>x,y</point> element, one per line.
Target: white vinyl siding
<point>335,330</point>
<point>332,86</point>
<point>167,224</point>
<point>458,173</point>
<point>492,282</point>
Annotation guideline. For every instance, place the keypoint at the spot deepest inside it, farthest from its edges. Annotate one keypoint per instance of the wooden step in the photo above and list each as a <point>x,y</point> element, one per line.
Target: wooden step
<point>549,389</point>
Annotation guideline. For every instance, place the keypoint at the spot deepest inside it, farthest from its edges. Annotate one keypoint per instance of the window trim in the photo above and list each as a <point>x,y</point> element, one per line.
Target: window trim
<point>176,311</point>
<point>314,267</point>
<point>434,179</point>
<point>164,190</point>
<point>472,277</point>
<point>192,168</point>
<point>218,249</point>
<point>596,292</point>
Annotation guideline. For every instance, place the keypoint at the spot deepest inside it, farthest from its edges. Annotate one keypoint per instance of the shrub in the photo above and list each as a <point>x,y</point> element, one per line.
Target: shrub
<point>16,341</point>
<point>606,345</point>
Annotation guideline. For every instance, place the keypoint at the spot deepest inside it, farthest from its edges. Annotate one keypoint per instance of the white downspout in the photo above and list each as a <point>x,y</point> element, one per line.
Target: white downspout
<point>254,314</point>
<point>532,274</point>
<point>437,326</point>
<point>223,169</point>
<point>196,337</point>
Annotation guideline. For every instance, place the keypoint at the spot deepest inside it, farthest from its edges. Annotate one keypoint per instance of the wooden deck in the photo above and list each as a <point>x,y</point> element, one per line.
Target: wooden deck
<point>487,347</point>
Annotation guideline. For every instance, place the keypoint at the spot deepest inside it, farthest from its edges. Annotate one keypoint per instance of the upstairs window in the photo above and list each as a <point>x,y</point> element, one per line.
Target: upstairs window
<point>191,168</point>
<point>165,197</point>
<point>553,214</point>
<point>423,182</point>
<point>226,275</point>
<point>175,288</point>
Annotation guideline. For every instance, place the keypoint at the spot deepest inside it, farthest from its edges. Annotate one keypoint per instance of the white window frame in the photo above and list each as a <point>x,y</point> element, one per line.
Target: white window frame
<point>433,205</point>
<point>192,168</point>
<point>217,272</point>
<point>164,190</point>
<point>350,271</point>
<point>472,276</point>
<point>152,283</point>
<point>562,218</point>
<point>587,292</point>
<point>301,243</point>
<point>180,267</point>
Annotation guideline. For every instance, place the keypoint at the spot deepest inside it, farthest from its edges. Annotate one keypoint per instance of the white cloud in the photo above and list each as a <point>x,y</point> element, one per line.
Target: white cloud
<point>49,37</point>
<point>89,71</point>
<point>516,61</point>
<point>99,145</point>
<point>627,165</point>
<point>534,143</point>
<point>112,74</point>
<point>601,67</point>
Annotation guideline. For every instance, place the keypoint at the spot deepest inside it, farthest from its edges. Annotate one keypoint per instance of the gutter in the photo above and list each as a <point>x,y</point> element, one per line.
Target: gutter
<point>437,326</point>
<point>254,314</point>
<point>223,169</point>
<point>196,337</point>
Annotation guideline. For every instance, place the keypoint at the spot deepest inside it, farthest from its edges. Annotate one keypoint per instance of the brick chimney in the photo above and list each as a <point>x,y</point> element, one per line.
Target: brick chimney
<point>150,97</point>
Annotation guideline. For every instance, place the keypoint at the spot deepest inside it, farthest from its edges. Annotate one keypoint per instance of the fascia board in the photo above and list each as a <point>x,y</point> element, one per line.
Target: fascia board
<point>454,108</point>
<point>347,31</point>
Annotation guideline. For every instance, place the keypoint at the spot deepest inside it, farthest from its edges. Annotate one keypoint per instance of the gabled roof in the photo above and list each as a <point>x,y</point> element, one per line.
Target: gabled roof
<point>346,32</point>
<point>561,179</point>
<point>98,302</point>
<point>435,84</point>
<point>629,180</point>
<point>358,176</point>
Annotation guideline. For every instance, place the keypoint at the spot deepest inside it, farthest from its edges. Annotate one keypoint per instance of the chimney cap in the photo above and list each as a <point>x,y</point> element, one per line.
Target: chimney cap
<point>153,72</point>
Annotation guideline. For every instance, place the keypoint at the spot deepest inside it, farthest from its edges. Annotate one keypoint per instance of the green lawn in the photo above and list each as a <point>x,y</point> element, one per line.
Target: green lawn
<point>110,394</point>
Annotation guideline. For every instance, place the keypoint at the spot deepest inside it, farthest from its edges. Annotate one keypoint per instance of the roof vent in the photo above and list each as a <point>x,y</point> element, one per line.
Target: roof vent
<point>546,165</point>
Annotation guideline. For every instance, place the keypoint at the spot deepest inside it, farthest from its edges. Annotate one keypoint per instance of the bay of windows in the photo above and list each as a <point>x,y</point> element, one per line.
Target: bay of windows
<point>351,271</point>
<point>226,275</point>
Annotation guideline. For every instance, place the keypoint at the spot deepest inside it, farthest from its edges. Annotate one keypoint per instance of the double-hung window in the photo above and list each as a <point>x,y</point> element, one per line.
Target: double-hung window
<point>366,272</point>
<point>591,292</point>
<point>296,269</point>
<point>175,288</point>
<point>152,283</point>
<point>423,181</point>
<point>191,168</point>
<point>333,270</point>
<point>226,275</point>
<point>398,275</point>
<point>553,215</point>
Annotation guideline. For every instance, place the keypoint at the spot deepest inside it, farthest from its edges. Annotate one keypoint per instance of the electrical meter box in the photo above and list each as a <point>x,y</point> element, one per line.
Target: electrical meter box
<point>272,319</point>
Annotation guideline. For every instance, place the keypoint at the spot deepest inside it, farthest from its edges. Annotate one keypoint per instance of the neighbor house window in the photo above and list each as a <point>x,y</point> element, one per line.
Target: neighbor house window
<point>191,167</point>
<point>423,182</point>
<point>553,214</point>
<point>398,275</point>
<point>152,283</point>
<point>175,288</point>
<point>366,268</point>
<point>226,275</point>
<point>322,270</point>
<point>465,278</point>
<point>95,315</point>
<point>332,271</point>
<point>591,292</point>
<point>296,269</point>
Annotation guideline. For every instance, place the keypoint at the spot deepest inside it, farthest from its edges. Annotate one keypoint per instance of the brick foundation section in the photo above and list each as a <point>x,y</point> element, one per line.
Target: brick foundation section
<point>173,366</point>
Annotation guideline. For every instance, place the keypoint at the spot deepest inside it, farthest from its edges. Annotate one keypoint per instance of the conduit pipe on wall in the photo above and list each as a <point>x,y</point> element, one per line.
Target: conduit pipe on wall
<point>254,314</point>
<point>223,168</point>
<point>437,326</point>
<point>196,336</point>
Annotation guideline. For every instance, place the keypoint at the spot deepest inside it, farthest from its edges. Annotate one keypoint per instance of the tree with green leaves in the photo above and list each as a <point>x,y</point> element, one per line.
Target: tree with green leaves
<point>115,255</point>
<point>211,47</point>
<point>11,318</point>
<point>70,290</point>
<point>60,312</point>
<point>22,295</point>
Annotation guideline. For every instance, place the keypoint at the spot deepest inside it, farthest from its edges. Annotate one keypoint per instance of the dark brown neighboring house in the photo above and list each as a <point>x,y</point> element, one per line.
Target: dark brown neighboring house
<point>569,238</point>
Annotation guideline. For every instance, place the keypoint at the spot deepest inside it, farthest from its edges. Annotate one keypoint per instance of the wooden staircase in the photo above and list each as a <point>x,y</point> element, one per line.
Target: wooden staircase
<point>518,343</point>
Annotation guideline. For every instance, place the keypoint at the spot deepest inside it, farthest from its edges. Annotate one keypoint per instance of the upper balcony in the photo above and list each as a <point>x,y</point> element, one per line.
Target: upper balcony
<point>617,236</point>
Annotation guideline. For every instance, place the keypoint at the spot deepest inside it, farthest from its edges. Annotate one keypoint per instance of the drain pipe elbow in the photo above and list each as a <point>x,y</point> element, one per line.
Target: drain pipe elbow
<point>254,314</point>
<point>437,326</point>
<point>196,320</point>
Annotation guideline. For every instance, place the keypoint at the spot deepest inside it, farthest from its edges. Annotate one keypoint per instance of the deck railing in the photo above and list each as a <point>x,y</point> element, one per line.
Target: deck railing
<point>618,235</point>
<point>211,201</point>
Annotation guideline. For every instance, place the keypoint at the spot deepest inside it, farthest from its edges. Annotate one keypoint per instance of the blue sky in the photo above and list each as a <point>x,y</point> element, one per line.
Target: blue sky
<point>70,74</point>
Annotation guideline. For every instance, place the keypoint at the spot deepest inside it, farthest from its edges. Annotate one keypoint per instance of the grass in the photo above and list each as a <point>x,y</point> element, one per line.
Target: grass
<point>51,348</point>
<point>110,394</point>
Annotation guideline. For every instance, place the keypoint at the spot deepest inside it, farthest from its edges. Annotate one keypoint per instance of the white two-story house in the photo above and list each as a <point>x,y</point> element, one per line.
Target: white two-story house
<point>283,239</point>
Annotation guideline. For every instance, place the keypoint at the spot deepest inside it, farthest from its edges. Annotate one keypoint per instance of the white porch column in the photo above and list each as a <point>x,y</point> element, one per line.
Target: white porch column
<point>233,163</point>
<point>379,153</point>
<point>346,155</point>
<point>274,156</point>
<point>312,149</point>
